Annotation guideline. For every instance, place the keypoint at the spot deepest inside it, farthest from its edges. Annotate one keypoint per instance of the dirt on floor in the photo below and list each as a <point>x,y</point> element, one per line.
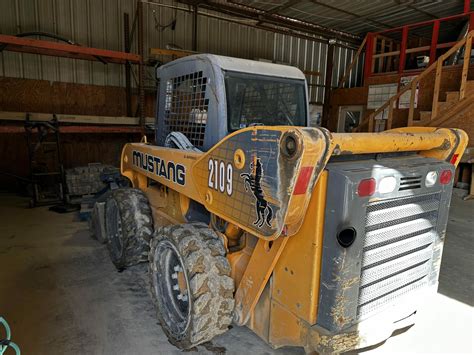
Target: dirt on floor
<point>61,294</point>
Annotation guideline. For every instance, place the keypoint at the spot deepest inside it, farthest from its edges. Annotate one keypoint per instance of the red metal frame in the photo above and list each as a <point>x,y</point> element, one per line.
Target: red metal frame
<point>37,46</point>
<point>467,6</point>
<point>403,48</point>
<point>371,37</point>
<point>434,41</point>
<point>369,50</point>
<point>428,22</point>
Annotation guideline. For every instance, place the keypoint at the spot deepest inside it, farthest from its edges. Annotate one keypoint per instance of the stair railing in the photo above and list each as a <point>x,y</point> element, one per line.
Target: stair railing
<point>438,66</point>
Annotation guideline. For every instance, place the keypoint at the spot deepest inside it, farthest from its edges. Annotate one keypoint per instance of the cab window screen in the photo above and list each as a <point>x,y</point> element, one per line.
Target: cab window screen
<point>257,99</point>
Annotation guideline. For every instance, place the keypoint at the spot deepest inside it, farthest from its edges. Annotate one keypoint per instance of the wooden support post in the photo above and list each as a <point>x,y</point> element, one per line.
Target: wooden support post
<point>434,108</point>
<point>411,111</point>
<point>403,49</point>
<point>382,51</point>
<point>328,84</point>
<point>141,66</point>
<point>389,59</point>
<point>465,66</point>
<point>128,66</point>
<point>371,123</point>
<point>390,114</point>
<point>434,41</point>
<point>195,27</point>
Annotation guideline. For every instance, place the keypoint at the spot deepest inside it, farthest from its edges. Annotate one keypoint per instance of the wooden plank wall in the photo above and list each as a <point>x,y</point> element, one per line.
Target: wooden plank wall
<point>28,95</point>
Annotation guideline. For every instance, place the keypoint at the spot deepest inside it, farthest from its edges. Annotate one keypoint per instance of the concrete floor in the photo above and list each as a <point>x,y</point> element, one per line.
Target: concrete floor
<point>61,294</point>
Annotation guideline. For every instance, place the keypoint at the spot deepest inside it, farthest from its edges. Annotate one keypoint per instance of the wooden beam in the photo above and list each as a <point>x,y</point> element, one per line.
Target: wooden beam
<point>328,85</point>
<point>465,66</point>
<point>390,114</point>
<point>411,111</point>
<point>171,52</point>
<point>434,107</point>
<point>354,60</point>
<point>311,73</point>
<point>387,54</point>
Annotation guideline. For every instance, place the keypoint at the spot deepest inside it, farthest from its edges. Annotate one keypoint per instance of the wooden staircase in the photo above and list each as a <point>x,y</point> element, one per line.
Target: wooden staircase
<point>441,111</point>
<point>448,109</point>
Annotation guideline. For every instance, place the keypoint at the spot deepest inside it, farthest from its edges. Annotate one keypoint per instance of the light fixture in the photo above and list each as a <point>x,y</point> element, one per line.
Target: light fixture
<point>387,184</point>
<point>431,178</point>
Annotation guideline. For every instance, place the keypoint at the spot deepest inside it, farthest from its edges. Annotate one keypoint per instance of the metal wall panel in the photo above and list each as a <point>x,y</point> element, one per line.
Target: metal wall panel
<point>99,23</point>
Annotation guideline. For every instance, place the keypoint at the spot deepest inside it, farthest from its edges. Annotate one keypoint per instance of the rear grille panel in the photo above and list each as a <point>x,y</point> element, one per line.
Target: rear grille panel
<point>397,249</point>
<point>395,259</point>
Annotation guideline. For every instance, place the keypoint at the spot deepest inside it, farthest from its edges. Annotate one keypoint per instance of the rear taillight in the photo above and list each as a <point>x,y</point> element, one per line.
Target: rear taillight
<point>366,187</point>
<point>445,177</point>
<point>303,180</point>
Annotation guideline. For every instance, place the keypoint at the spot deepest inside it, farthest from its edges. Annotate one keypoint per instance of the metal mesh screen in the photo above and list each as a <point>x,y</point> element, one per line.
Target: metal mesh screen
<point>397,249</point>
<point>186,107</point>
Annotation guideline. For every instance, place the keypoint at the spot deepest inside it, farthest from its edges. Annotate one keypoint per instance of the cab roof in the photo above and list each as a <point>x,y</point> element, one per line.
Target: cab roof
<point>243,65</point>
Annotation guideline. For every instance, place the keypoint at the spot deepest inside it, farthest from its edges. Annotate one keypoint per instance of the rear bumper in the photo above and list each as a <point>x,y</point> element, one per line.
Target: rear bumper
<point>373,330</point>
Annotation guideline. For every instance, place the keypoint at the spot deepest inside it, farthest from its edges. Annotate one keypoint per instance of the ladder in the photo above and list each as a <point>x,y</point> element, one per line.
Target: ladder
<point>45,162</point>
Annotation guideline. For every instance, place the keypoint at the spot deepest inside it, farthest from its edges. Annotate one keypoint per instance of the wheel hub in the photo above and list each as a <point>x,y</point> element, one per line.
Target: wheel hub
<point>171,287</point>
<point>180,284</point>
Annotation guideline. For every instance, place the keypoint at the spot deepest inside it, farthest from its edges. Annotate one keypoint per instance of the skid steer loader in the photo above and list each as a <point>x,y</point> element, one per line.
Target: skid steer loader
<point>245,214</point>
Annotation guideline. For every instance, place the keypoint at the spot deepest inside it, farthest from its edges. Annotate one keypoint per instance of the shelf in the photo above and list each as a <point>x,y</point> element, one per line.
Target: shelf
<point>56,49</point>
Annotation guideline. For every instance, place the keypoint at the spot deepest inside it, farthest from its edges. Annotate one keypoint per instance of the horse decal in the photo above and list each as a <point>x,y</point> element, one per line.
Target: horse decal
<point>253,182</point>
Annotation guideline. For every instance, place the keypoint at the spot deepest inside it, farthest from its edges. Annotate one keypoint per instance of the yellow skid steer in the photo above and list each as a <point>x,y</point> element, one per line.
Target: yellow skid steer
<point>245,214</point>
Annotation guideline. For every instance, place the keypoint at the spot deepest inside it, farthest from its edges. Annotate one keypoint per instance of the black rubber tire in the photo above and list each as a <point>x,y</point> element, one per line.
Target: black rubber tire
<point>97,231</point>
<point>210,288</point>
<point>129,227</point>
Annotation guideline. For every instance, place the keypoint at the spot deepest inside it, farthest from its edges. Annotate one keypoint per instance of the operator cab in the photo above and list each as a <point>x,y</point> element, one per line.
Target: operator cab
<point>205,97</point>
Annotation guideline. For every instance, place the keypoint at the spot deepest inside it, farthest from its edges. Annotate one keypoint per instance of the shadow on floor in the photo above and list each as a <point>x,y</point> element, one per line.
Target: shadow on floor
<point>456,279</point>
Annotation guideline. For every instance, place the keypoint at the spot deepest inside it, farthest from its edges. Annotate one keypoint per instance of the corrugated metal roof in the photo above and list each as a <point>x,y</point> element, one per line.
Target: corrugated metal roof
<point>357,16</point>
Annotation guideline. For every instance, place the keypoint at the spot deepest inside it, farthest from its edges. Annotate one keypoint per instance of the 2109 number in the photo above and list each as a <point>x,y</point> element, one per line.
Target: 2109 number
<point>220,176</point>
